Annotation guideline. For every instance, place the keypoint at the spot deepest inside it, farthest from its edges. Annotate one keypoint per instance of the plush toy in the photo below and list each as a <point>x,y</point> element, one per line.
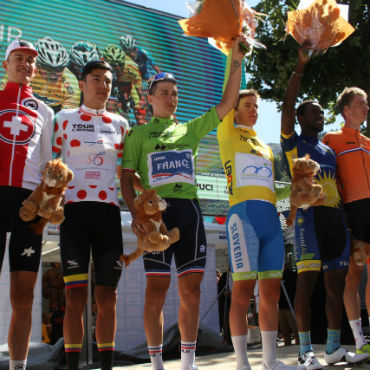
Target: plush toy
<point>304,192</point>
<point>45,200</point>
<point>360,251</point>
<point>150,206</point>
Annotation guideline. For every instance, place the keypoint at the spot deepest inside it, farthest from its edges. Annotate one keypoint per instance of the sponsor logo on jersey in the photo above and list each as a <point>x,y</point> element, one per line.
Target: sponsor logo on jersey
<point>171,166</point>
<point>229,176</point>
<point>97,159</point>
<point>235,245</point>
<point>160,147</point>
<point>30,103</point>
<point>107,132</point>
<point>28,252</point>
<point>83,127</point>
<point>16,126</point>
<point>252,170</point>
<point>155,134</point>
<point>72,264</point>
<point>92,175</point>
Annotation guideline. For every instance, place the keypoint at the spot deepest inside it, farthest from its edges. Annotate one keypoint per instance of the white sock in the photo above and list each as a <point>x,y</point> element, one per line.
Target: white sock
<point>155,354</point>
<point>268,347</point>
<point>240,348</point>
<point>17,364</point>
<point>356,327</point>
<point>187,354</point>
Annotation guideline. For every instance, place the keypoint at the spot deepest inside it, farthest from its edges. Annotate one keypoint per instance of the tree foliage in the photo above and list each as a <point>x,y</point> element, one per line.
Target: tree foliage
<point>325,75</point>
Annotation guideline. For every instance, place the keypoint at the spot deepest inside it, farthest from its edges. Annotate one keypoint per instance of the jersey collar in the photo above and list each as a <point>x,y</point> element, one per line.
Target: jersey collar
<point>349,130</point>
<point>12,89</point>
<point>249,130</point>
<point>94,112</point>
<point>165,121</point>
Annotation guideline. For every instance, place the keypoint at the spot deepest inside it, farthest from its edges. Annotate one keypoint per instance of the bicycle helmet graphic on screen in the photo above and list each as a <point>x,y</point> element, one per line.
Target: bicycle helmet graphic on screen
<point>114,55</point>
<point>51,54</point>
<point>128,42</point>
<point>83,52</point>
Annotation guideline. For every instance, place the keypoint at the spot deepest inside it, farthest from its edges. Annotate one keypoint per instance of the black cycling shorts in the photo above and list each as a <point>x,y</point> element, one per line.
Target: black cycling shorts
<point>95,227</point>
<point>358,218</point>
<point>24,244</point>
<point>190,251</point>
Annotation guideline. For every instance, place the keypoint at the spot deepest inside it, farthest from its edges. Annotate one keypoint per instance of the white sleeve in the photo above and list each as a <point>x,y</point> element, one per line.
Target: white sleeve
<point>46,137</point>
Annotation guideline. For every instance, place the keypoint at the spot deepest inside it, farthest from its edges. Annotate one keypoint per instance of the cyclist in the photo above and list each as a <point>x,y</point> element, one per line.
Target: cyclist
<point>144,60</point>
<point>81,53</point>
<point>26,127</point>
<point>90,140</point>
<point>353,157</point>
<point>54,84</point>
<point>163,153</point>
<point>322,240</point>
<point>255,239</point>
<point>127,76</point>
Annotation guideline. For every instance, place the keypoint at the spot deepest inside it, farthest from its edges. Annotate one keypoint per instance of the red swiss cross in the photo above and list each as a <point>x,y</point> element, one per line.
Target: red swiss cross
<point>16,128</point>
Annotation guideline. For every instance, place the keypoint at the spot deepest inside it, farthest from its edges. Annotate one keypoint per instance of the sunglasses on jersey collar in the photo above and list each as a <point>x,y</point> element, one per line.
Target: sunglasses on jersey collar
<point>162,76</point>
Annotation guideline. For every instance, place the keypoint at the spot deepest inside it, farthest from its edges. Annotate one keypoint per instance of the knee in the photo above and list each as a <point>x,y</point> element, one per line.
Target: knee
<point>155,296</point>
<point>106,298</point>
<point>240,298</point>
<point>76,299</point>
<point>22,301</point>
<point>190,295</point>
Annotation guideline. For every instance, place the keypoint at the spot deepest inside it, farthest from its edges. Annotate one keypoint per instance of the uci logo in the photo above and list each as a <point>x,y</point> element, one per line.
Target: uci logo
<point>16,126</point>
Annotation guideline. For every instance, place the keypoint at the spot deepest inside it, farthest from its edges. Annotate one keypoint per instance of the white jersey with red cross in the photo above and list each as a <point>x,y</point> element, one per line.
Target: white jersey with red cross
<point>90,142</point>
<point>26,128</point>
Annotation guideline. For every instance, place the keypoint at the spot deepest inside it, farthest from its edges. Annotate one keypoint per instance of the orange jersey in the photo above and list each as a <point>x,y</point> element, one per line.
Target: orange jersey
<point>352,150</point>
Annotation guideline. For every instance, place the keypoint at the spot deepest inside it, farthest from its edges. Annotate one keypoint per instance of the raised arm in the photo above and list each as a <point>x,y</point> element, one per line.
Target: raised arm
<point>291,93</point>
<point>231,93</point>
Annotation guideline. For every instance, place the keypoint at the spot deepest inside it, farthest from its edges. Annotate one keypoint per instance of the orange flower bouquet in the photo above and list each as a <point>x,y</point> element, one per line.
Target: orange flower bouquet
<point>319,24</point>
<point>222,21</point>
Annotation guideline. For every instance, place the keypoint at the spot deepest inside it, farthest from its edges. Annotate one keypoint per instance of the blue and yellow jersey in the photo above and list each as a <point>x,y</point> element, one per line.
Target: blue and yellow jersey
<point>248,163</point>
<point>295,146</point>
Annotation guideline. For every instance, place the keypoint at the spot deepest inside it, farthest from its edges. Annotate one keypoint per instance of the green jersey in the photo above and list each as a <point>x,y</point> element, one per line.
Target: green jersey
<point>164,153</point>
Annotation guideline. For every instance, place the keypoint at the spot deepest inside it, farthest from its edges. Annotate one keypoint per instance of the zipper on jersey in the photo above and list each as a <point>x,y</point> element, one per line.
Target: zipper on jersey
<point>14,137</point>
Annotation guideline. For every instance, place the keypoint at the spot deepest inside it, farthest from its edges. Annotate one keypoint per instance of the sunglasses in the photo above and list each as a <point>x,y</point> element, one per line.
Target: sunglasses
<point>162,76</point>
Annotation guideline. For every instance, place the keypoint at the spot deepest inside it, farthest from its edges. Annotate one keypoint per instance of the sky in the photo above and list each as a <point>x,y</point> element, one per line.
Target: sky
<point>268,124</point>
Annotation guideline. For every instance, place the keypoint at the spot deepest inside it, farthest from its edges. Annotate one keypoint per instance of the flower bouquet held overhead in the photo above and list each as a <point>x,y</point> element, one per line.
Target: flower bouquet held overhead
<point>222,21</point>
<point>319,23</point>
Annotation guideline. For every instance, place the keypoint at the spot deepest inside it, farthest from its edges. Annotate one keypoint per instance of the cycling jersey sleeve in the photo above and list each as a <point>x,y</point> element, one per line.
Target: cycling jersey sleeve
<point>132,150</point>
<point>203,124</point>
<point>46,137</point>
<point>226,126</point>
<point>57,136</point>
<point>289,147</point>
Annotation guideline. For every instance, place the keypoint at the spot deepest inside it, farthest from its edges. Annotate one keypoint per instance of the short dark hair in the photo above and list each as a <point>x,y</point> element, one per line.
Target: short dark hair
<point>346,96</point>
<point>95,64</point>
<point>243,93</point>
<point>302,106</point>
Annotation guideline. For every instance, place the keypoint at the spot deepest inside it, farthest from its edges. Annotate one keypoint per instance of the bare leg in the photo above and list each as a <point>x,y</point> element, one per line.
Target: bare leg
<point>22,284</point>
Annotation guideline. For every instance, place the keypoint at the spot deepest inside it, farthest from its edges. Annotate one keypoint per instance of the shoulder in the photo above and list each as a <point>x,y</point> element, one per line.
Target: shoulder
<point>38,105</point>
<point>117,118</point>
<point>67,113</point>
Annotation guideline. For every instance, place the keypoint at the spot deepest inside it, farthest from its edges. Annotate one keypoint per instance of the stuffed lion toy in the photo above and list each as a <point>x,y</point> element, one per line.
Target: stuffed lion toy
<point>157,237</point>
<point>304,192</point>
<point>45,200</point>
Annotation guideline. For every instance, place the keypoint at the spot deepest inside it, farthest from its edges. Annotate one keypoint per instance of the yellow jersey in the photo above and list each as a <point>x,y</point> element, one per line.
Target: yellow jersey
<point>248,163</point>
<point>63,93</point>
